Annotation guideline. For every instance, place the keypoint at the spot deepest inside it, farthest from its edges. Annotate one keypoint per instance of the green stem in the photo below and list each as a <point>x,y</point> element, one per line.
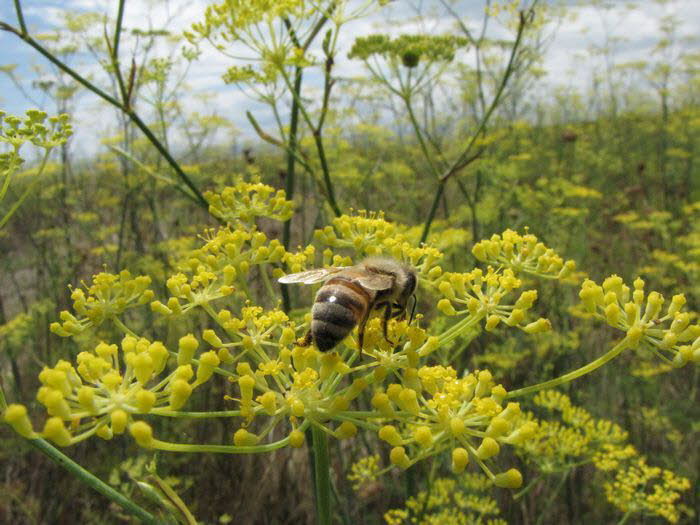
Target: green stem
<point>118,30</point>
<point>625,517</point>
<point>419,135</point>
<point>114,102</point>
<point>433,211</point>
<point>322,476</point>
<point>590,367</point>
<point>464,158</point>
<point>27,191</point>
<point>20,17</point>
<point>115,54</point>
<point>92,481</point>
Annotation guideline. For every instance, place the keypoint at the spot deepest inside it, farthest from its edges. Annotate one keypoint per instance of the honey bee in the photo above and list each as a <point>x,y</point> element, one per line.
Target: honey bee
<point>350,293</point>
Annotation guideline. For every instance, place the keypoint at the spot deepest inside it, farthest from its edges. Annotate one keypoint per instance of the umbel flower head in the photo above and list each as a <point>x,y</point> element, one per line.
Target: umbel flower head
<point>409,49</point>
<point>111,384</point>
<point>668,332</point>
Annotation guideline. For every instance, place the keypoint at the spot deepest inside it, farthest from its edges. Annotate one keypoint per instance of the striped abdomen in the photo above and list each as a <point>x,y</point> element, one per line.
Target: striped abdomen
<point>340,304</point>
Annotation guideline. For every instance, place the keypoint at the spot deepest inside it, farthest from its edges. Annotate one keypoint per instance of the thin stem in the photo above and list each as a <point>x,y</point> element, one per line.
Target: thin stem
<point>118,30</point>
<point>114,52</point>
<point>219,449</point>
<point>27,191</point>
<point>322,477</point>
<point>291,165</point>
<point>419,135</point>
<point>433,211</point>
<point>113,101</point>
<point>92,481</point>
<point>464,158</point>
<point>20,17</point>
<point>625,517</point>
<point>590,367</point>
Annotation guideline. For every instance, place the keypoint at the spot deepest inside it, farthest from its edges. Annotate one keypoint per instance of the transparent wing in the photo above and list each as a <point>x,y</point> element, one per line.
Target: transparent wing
<point>311,276</point>
<point>374,281</point>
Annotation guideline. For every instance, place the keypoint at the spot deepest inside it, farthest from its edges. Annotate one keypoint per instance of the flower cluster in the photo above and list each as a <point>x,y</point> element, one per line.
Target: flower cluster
<point>409,49</point>
<point>644,319</point>
<point>646,490</point>
<point>245,201</point>
<point>34,128</point>
<point>107,297</point>
<point>439,411</point>
<point>459,500</point>
<point>107,388</point>
<point>523,253</point>
<point>235,17</point>
<point>578,438</point>
<point>369,234</point>
<point>364,471</point>
<point>480,295</point>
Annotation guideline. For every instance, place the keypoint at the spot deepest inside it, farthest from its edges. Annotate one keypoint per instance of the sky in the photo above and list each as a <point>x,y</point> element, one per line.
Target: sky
<point>564,61</point>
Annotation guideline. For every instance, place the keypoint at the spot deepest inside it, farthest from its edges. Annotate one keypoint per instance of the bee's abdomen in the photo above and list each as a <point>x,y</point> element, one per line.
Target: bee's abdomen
<point>339,306</point>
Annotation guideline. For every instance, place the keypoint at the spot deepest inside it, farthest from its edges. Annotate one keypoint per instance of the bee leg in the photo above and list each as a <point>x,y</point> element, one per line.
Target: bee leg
<point>387,316</point>
<point>361,329</point>
<point>306,340</point>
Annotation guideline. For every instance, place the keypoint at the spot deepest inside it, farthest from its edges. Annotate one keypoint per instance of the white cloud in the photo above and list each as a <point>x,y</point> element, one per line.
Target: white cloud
<point>567,60</point>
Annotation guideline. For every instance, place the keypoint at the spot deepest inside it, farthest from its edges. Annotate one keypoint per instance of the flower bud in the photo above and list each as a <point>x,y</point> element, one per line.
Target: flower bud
<point>511,479</point>
<point>389,434</point>
<point>537,327</point>
<point>86,398</point>
<point>677,303</point>
<point>346,430</point>
<point>142,433</point>
<point>145,400</point>
<point>186,347</point>
<point>210,337</point>
<point>208,361</point>
<point>526,300</point>
<point>460,460</point>
<point>180,391</point>
<point>56,405</point>
<point>492,322</point>
<point>246,384</point>
<point>423,436</point>
<point>119,419</point>
<point>457,426</point>
<point>489,447</point>
<point>243,438</point>
<point>445,306</point>
<point>143,367</point>
<point>516,317</point>
<point>297,407</point>
<point>398,457</point>
<point>55,430</point>
<point>408,401</point>
<point>381,402</point>
<point>296,438</point>
<point>16,416</point>
<point>268,400</point>
<point>159,354</point>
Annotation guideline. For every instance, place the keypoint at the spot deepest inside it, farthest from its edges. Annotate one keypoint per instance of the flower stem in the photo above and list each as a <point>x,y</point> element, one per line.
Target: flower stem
<point>590,367</point>
<point>92,481</point>
<point>322,477</point>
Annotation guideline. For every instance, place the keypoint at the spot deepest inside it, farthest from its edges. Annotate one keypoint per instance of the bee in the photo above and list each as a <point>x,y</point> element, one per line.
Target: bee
<point>350,293</point>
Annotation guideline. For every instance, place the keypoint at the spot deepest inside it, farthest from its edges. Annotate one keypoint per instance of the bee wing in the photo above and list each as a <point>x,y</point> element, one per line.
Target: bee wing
<point>311,276</point>
<point>375,281</point>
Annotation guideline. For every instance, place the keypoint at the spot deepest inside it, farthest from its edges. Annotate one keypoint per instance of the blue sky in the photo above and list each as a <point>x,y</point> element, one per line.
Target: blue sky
<point>564,61</point>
